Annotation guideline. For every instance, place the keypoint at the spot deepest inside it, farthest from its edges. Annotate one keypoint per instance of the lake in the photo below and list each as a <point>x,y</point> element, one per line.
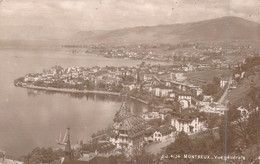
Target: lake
<point>30,118</point>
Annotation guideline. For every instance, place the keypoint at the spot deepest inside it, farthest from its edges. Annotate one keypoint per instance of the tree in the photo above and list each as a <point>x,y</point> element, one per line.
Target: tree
<point>210,89</point>
<point>140,156</point>
<point>212,120</point>
<point>228,137</point>
<point>42,155</point>
<point>182,145</point>
<point>233,114</point>
<point>216,80</point>
<point>253,125</point>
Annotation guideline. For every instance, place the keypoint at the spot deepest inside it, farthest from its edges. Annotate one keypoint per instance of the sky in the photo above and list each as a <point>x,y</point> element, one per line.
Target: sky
<point>41,19</point>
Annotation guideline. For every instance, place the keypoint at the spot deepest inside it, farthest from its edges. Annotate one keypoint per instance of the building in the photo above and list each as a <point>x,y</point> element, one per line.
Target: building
<point>184,99</point>
<point>178,76</point>
<point>243,112</point>
<point>151,116</point>
<point>128,130</point>
<point>96,159</point>
<point>102,147</point>
<point>197,91</point>
<point>207,100</point>
<point>223,82</point>
<point>148,137</point>
<point>164,132</point>
<point>162,91</point>
<point>217,108</point>
<point>188,121</point>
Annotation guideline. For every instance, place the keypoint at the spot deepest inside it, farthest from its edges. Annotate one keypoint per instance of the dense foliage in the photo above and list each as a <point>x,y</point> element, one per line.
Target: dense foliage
<point>43,155</point>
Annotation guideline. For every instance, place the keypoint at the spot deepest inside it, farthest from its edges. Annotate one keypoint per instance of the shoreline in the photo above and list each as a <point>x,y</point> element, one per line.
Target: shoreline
<point>140,100</point>
<point>70,90</point>
<point>64,90</point>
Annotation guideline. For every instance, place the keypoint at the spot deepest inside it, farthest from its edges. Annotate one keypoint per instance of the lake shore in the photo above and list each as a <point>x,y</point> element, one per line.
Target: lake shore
<point>70,90</point>
<point>140,100</point>
<point>80,91</point>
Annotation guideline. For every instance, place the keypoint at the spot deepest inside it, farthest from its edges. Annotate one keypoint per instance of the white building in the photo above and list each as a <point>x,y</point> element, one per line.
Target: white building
<point>162,91</point>
<point>151,115</point>
<point>185,100</point>
<point>217,108</point>
<point>243,112</point>
<point>178,76</point>
<point>223,83</point>
<point>188,123</point>
<point>207,100</point>
<point>164,132</point>
<point>127,131</point>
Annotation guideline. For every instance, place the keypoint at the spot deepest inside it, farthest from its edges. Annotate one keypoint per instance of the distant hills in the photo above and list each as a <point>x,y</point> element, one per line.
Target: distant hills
<point>219,29</point>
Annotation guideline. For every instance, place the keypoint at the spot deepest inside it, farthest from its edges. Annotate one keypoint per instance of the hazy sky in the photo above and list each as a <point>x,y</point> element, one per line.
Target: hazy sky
<point>56,18</point>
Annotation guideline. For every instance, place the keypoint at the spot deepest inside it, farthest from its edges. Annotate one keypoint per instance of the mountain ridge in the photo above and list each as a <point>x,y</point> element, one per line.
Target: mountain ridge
<point>218,29</point>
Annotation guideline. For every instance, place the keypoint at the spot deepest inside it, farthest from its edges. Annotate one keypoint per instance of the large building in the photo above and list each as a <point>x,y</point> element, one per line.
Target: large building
<point>128,130</point>
<point>164,132</point>
<point>188,121</point>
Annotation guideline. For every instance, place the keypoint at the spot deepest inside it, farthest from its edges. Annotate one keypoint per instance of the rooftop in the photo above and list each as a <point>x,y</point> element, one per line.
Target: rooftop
<point>166,129</point>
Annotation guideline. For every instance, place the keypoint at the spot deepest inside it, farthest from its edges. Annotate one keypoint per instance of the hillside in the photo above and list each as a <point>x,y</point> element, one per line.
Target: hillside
<point>247,86</point>
<point>209,30</point>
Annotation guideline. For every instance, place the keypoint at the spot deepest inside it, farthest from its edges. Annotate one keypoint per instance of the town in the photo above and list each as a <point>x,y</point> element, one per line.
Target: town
<point>200,54</point>
<point>129,82</point>
<point>178,103</point>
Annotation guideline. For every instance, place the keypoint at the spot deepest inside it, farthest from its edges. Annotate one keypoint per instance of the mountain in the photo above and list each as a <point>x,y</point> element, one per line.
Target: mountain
<point>219,29</point>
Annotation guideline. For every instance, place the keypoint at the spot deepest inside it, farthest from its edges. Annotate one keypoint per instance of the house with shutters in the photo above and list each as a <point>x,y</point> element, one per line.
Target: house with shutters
<point>189,121</point>
<point>164,132</point>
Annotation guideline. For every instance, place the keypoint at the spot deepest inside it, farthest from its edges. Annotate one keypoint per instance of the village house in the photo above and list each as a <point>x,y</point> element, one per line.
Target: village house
<point>188,121</point>
<point>214,108</point>
<point>151,116</point>
<point>219,108</point>
<point>223,82</point>
<point>243,112</point>
<point>207,100</point>
<point>128,130</point>
<point>162,91</point>
<point>148,137</point>
<point>32,77</point>
<point>188,68</point>
<point>164,132</point>
<point>129,86</point>
<point>196,91</point>
<point>178,76</point>
<point>184,98</point>
<point>164,112</point>
<point>103,147</point>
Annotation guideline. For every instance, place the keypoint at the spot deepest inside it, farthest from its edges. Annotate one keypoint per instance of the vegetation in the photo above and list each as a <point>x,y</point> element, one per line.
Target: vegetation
<point>43,155</point>
<point>236,135</point>
<point>213,89</point>
<point>239,137</point>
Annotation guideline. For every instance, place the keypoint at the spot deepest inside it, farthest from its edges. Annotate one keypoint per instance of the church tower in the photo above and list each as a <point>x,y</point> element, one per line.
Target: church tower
<point>68,150</point>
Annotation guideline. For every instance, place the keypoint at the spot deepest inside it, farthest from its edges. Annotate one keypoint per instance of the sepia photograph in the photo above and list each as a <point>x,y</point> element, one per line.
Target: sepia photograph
<point>129,81</point>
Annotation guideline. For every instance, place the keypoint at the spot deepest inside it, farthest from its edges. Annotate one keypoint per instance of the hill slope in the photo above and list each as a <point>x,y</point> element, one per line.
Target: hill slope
<point>209,30</point>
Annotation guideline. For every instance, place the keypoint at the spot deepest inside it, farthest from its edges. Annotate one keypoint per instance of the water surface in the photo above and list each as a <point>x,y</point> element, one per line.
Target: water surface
<point>30,118</point>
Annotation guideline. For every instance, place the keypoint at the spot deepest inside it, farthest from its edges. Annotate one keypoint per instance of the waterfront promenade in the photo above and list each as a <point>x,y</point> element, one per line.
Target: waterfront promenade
<point>70,90</point>
<point>65,90</point>
<point>140,100</point>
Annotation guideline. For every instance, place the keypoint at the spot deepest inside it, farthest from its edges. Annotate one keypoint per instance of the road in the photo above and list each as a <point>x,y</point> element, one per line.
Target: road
<point>224,96</point>
<point>155,148</point>
<point>8,161</point>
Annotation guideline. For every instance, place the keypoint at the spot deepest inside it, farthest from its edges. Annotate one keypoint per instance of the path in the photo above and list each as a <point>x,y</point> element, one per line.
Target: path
<point>155,148</point>
<point>223,97</point>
